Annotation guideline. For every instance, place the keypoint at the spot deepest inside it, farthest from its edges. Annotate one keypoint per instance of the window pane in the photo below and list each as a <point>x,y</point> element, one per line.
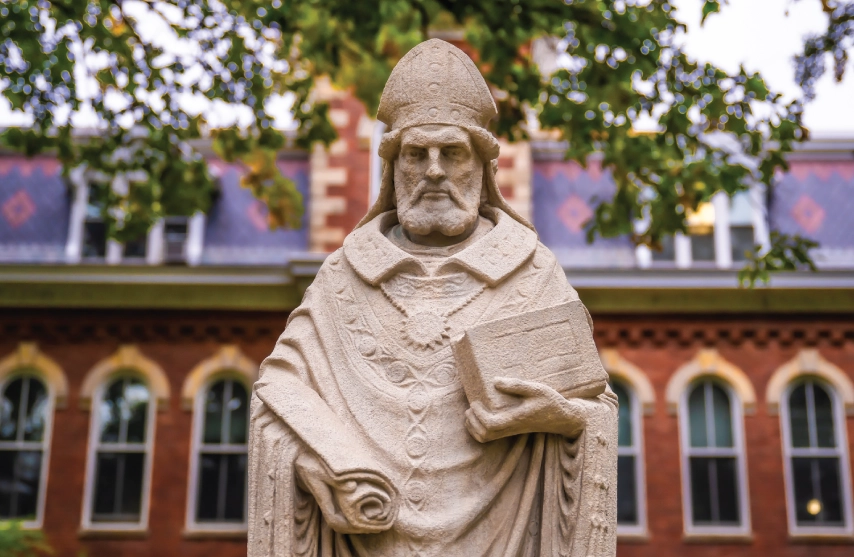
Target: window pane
<point>110,412</point>
<point>94,238</point>
<point>118,487</point>
<point>818,492</point>
<point>235,488</point>
<point>208,487</point>
<point>798,422</point>
<point>723,417</point>
<point>697,416</point>
<point>213,413</point>
<point>742,242</point>
<point>238,407</point>
<point>627,506</point>
<point>714,491</point>
<point>137,398</point>
<point>20,476</point>
<point>11,407</point>
<point>37,403</point>
<point>703,247</point>
<point>668,250</point>
<point>136,247</point>
<point>826,437</point>
<point>221,488</point>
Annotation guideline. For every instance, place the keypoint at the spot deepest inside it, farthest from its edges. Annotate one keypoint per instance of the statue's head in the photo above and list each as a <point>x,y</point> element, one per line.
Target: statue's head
<point>439,158</point>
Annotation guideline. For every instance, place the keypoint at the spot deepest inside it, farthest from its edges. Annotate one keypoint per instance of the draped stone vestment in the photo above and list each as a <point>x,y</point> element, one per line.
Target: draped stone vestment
<point>391,410</point>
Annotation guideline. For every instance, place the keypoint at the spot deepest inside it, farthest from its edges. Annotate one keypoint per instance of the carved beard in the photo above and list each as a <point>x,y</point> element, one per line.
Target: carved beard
<point>423,212</point>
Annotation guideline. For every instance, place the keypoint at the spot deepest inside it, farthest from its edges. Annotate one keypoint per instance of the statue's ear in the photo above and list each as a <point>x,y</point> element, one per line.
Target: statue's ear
<point>485,143</point>
<point>389,145</point>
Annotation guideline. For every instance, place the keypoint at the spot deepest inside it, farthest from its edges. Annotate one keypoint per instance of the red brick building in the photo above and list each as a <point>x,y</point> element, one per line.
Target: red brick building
<point>125,370</point>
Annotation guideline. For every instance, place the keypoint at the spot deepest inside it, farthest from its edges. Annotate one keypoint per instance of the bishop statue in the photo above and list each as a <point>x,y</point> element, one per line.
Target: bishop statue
<point>437,393</point>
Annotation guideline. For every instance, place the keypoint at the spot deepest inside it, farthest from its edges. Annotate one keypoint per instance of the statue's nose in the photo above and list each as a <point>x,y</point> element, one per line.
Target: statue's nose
<point>435,172</point>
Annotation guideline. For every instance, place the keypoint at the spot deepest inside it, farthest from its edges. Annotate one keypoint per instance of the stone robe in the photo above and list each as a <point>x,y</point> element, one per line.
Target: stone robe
<point>355,380</point>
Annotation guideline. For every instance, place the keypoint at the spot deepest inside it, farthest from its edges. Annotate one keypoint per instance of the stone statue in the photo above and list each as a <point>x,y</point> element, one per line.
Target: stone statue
<point>380,425</point>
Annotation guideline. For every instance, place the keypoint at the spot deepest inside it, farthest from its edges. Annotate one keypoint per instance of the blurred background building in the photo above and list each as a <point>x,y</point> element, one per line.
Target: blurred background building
<point>125,370</point>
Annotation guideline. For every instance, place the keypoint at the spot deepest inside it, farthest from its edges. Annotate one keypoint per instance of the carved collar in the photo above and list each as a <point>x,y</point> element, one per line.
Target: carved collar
<point>491,259</point>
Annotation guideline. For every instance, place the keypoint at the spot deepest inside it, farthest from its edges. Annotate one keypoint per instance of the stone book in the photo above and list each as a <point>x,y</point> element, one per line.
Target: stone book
<point>552,346</point>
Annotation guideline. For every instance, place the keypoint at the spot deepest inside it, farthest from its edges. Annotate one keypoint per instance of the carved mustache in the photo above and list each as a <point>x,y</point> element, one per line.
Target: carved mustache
<point>428,186</point>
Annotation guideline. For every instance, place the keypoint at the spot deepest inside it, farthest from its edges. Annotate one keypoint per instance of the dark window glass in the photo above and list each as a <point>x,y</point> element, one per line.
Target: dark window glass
<point>703,247</point>
<point>136,247</point>
<point>175,238</point>
<point>818,491</point>
<point>238,408</point>
<point>706,430</point>
<point>23,415</point>
<point>94,238</point>
<point>222,475</point>
<point>124,411</point>
<point>714,491</point>
<point>118,487</point>
<point>811,417</point>
<point>221,489</point>
<point>668,250</point>
<point>742,242</point>
<point>627,504</point>
<point>214,413</point>
<point>625,415</point>
<point>20,476</point>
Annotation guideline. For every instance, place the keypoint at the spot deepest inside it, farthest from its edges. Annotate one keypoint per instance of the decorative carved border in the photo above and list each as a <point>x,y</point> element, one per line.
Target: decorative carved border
<point>227,359</point>
<point>623,369</point>
<point>127,356</point>
<point>808,362</point>
<point>28,355</point>
<point>709,362</point>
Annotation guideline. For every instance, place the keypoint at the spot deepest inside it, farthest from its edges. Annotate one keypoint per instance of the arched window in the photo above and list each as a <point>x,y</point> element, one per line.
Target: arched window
<point>219,464</point>
<point>816,461</point>
<point>713,467</point>
<point>119,467</point>
<point>25,422</point>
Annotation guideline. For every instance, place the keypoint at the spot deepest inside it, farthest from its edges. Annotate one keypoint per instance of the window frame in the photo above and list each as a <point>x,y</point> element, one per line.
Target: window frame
<point>197,447</point>
<point>95,444</point>
<point>46,442</point>
<point>637,451</point>
<point>841,451</point>
<point>738,451</point>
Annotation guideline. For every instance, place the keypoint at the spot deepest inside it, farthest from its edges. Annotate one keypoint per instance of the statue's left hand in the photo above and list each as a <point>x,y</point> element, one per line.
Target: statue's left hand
<point>540,409</point>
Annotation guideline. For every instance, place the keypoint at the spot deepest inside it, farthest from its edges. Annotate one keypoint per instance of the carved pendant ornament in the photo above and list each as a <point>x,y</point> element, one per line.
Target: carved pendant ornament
<point>437,392</point>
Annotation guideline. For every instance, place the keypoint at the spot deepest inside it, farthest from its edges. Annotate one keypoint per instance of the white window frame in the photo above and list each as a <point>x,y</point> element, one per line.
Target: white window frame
<point>840,451</point>
<point>683,256</point>
<point>95,446</point>
<point>636,450</point>
<point>43,445</point>
<point>197,447</point>
<point>687,451</point>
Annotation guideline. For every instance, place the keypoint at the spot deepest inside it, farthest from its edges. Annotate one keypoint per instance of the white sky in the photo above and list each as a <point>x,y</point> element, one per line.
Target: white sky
<point>756,33</point>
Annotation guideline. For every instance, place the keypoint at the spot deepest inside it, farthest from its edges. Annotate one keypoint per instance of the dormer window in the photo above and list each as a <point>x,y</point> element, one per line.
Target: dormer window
<point>94,231</point>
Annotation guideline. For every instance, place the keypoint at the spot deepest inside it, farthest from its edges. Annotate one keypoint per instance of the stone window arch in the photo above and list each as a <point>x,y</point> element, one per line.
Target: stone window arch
<point>637,398</point>
<point>217,390</point>
<point>713,396</point>
<point>124,390</point>
<point>31,386</point>
<point>812,396</point>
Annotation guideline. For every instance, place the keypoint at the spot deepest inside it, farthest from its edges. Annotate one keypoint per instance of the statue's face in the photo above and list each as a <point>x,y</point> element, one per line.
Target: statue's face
<point>438,178</point>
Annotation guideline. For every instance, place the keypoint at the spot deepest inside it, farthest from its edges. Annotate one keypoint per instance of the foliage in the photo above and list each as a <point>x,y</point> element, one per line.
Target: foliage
<point>19,542</point>
<point>620,64</point>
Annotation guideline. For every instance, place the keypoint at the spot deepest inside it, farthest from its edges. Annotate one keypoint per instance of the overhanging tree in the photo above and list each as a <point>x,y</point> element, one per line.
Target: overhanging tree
<point>158,64</point>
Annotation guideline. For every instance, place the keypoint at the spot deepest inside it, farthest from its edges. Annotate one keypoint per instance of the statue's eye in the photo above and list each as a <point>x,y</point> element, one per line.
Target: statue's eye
<point>453,152</point>
<point>413,154</point>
